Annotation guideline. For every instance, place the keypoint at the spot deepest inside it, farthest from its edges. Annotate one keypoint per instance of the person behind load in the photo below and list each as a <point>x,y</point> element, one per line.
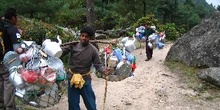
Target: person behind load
<point>159,40</point>
<point>140,33</point>
<point>11,42</point>
<point>147,33</point>
<point>83,56</point>
<point>162,36</point>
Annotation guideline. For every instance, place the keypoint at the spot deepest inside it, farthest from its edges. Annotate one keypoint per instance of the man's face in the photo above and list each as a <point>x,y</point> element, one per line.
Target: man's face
<point>147,26</point>
<point>14,20</point>
<point>84,38</point>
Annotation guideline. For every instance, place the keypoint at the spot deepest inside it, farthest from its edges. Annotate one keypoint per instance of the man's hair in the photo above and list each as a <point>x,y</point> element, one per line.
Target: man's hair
<point>89,30</point>
<point>9,13</point>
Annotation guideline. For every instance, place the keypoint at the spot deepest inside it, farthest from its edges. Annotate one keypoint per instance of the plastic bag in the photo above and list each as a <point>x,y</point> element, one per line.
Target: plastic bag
<point>25,57</point>
<point>29,76</point>
<point>150,45</point>
<point>48,74</point>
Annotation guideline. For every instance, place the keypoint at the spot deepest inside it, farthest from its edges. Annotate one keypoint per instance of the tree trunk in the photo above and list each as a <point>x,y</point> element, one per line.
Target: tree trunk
<point>144,8</point>
<point>90,16</point>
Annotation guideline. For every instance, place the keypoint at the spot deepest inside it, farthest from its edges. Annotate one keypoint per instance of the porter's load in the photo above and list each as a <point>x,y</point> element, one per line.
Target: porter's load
<point>52,48</point>
<point>15,77</point>
<point>120,67</point>
<point>130,45</point>
<point>11,59</point>
<point>56,64</point>
<point>30,76</point>
<point>47,76</point>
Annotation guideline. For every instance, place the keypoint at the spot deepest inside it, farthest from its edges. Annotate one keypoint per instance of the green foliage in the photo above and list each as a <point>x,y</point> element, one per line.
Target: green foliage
<point>126,21</point>
<point>201,10</point>
<point>113,14</point>
<point>190,14</point>
<point>149,19</point>
<point>71,14</point>
<point>181,29</point>
<point>109,21</point>
<point>166,8</point>
<point>160,27</point>
<point>37,31</point>
<point>72,18</point>
<point>194,20</point>
<point>171,31</point>
<point>41,9</point>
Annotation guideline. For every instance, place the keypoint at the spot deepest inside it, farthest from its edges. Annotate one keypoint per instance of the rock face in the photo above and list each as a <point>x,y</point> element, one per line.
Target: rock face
<point>200,47</point>
<point>211,75</point>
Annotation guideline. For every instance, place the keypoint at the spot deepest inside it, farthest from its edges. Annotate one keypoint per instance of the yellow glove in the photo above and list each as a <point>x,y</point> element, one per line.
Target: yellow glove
<point>77,80</point>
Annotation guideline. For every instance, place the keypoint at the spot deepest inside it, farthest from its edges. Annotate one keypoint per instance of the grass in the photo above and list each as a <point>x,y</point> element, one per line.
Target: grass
<point>189,75</point>
<point>21,105</point>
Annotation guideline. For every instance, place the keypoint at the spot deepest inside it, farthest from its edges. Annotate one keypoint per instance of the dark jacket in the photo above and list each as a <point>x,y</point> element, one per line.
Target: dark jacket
<point>12,36</point>
<point>148,32</point>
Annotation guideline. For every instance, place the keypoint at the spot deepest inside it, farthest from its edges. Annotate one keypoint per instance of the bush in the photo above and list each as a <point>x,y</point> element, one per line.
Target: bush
<point>37,31</point>
<point>149,19</point>
<point>171,32</point>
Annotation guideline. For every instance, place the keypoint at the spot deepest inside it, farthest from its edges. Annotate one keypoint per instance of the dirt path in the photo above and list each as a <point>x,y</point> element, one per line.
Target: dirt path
<point>153,87</point>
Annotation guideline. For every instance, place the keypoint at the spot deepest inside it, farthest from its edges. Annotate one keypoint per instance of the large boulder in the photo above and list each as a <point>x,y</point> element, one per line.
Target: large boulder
<point>200,47</point>
<point>211,75</point>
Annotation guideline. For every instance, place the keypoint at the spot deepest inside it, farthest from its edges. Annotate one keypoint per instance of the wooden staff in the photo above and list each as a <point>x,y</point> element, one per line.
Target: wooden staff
<point>92,41</point>
<point>106,83</point>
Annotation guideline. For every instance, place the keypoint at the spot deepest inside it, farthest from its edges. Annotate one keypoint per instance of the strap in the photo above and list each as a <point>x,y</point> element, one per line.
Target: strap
<point>2,43</point>
<point>79,73</point>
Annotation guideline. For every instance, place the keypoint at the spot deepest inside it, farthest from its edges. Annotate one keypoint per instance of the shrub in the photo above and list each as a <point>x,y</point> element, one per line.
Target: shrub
<point>171,32</point>
<point>37,31</point>
<point>149,19</point>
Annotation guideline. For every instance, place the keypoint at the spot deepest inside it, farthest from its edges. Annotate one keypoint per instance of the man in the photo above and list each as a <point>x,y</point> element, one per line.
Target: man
<point>147,33</point>
<point>83,56</point>
<point>10,38</point>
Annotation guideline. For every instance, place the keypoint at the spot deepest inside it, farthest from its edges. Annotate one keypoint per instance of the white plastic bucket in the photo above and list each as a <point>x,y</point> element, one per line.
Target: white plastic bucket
<point>15,77</point>
<point>52,49</point>
<point>57,64</point>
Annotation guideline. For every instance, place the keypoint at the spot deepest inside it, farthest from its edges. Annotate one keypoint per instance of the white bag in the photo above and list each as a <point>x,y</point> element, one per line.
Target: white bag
<point>150,45</point>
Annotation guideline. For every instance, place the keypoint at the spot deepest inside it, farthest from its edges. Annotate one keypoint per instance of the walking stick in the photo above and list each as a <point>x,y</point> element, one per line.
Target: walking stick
<point>105,94</point>
<point>106,82</point>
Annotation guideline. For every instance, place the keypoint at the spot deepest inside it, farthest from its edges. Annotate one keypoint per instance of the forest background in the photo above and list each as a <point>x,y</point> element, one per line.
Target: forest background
<point>43,18</point>
<point>174,16</point>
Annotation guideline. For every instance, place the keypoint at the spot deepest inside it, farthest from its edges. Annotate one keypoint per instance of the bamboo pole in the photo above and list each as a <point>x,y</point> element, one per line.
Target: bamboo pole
<point>92,41</point>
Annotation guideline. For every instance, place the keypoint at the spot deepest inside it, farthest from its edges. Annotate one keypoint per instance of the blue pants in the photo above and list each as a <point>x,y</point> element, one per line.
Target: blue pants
<point>87,94</point>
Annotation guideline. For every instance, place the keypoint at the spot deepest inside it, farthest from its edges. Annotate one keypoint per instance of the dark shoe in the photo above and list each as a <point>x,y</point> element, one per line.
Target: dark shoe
<point>147,59</point>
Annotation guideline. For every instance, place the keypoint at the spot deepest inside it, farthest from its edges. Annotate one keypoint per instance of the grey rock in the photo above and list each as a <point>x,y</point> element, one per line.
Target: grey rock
<point>199,47</point>
<point>211,75</point>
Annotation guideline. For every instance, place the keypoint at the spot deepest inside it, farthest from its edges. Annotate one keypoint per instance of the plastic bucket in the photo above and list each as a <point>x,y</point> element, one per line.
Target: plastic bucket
<point>56,64</point>
<point>53,49</point>
<point>15,77</point>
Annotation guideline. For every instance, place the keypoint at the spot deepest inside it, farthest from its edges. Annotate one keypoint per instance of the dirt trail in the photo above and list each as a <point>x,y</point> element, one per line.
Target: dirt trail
<point>153,87</point>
